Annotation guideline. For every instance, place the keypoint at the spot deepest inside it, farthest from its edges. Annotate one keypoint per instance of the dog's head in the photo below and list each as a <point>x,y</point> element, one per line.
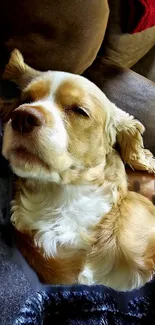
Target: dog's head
<point>64,126</point>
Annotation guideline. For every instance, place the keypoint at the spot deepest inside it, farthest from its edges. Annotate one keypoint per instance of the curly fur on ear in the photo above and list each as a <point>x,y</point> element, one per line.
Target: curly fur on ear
<point>129,138</point>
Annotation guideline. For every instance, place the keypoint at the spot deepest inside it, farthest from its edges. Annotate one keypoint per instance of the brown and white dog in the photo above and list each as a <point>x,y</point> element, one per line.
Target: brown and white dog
<point>76,220</point>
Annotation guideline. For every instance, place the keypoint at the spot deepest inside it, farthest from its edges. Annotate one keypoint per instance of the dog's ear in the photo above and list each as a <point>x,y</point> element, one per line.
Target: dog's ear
<point>128,135</point>
<point>18,71</point>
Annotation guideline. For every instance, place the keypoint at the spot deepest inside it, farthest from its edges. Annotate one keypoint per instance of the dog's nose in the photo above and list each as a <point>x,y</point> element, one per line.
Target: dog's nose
<point>25,120</point>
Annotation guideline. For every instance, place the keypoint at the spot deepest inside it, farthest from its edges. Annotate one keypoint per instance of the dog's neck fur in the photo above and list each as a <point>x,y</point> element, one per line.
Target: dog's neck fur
<point>60,215</point>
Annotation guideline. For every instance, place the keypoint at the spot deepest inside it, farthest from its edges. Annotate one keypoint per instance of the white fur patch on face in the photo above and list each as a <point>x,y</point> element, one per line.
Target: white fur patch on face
<point>50,143</point>
<point>56,136</point>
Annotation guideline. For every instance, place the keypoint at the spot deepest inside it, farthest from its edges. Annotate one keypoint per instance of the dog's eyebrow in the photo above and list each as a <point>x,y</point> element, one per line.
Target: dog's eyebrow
<point>69,92</point>
<point>38,90</point>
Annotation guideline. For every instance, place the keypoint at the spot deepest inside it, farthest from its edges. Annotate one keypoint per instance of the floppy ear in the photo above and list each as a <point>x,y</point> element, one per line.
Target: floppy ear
<point>21,74</point>
<point>18,71</point>
<point>129,138</point>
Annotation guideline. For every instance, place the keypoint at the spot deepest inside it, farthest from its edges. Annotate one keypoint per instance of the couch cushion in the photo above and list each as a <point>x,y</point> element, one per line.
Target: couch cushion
<point>146,66</point>
<point>124,48</point>
<point>54,34</point>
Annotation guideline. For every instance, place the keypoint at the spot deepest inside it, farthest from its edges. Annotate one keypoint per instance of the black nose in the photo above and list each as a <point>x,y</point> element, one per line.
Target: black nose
<point>25,120</point>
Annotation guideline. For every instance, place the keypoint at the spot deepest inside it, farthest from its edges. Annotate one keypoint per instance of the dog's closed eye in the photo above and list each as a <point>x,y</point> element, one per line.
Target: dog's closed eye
<point>78,110</point>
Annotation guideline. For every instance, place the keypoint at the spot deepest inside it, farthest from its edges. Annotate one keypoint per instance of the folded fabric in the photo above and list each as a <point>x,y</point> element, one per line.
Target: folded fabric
<point>139,15</point>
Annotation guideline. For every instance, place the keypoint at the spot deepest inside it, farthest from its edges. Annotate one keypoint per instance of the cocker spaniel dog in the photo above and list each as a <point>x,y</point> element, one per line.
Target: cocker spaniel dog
<point>75,219</point>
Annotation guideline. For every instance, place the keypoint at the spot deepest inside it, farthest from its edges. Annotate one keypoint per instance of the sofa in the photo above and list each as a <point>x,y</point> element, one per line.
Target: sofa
<point>84,37</point>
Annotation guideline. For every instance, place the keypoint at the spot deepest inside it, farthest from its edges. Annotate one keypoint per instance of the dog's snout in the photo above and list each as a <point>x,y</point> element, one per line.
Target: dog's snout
<point>25,120</point>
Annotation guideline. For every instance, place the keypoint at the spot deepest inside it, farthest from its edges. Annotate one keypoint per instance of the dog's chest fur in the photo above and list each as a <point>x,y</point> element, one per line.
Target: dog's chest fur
<point>60,217</point>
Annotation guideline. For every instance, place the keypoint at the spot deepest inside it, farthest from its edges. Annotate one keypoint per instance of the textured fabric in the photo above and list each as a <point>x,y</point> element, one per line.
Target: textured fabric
<point>14,286</point>
<point>84,308</point>
<point>141,15</point>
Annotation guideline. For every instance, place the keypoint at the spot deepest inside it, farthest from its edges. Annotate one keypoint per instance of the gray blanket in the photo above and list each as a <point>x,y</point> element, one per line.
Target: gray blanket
<point>14,286</point>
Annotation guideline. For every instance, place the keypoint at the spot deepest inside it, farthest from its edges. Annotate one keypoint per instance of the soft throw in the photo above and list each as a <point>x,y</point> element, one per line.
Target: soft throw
<point>139,15</point>
<point>85,308</point>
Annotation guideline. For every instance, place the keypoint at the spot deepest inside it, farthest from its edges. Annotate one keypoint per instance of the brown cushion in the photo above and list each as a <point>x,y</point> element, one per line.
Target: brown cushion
<point>124,48</point>
<point>54,34</point>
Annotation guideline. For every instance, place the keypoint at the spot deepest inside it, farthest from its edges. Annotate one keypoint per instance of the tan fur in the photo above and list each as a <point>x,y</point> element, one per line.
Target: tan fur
<point>114,242</point>
<point>67,97</point>
<point>125,241</point>
<point>50,270</point>
<point>38,90</point>
<point>129,138</point>
<point>69,94</point>
<point>17,71</point>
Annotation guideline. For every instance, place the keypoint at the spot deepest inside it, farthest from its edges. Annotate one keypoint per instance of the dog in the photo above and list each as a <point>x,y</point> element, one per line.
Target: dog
<point>75,219</point>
